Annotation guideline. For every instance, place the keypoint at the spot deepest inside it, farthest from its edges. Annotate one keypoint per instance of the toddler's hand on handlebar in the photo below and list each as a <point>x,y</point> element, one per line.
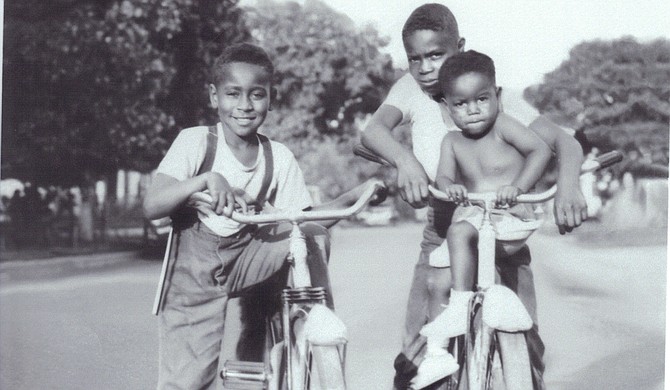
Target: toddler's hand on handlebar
<point>457,193</point>
<point>506,195</point>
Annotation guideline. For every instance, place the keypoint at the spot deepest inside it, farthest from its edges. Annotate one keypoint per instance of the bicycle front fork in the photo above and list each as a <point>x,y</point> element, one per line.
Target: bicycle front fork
<point>241,375</point>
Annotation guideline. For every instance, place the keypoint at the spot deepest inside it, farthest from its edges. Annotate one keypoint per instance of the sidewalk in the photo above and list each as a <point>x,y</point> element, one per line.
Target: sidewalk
<point>34,265</point>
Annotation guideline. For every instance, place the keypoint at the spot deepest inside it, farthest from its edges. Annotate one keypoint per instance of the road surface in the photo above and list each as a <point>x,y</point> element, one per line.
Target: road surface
<point>602,316</point>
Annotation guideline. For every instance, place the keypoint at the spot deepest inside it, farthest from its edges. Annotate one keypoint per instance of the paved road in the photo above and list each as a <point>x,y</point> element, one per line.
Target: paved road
<point>602,315</point>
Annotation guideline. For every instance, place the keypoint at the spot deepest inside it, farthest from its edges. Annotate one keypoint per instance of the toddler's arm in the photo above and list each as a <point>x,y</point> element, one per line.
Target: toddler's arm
<point>536,152</point>
<point>446,168</point>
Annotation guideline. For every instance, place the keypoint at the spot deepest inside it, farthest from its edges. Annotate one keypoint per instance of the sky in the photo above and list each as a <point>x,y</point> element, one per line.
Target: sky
<point>525,38</point>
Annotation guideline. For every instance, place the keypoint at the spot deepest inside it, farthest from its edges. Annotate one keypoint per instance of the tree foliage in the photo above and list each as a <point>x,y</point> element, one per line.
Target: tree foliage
<point>616,92</point>
<point>90,86</point>
<point>93,86</point>
<point>329,75</point>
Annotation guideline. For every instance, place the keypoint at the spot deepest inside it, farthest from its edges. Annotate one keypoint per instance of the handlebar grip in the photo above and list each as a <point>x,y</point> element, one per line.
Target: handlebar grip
<point>380,195</point>
<point>362,151</point>
<point>608,159</point>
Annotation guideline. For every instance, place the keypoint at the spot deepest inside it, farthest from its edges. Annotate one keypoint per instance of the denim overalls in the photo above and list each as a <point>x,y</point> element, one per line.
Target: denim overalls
<point>206,270</point>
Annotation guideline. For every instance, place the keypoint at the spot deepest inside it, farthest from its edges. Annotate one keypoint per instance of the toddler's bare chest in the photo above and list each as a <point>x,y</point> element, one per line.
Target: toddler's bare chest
<point>489,158</point>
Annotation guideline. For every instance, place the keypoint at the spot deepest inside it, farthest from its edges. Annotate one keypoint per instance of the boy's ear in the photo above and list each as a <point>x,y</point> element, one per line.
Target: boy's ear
<point>461,44</point>
<point>498,95</point>
<point>213,98</point>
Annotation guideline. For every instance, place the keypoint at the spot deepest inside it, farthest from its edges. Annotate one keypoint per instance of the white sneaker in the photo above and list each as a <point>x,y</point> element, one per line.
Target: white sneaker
<point>434,368</point>
<point>453,321</point>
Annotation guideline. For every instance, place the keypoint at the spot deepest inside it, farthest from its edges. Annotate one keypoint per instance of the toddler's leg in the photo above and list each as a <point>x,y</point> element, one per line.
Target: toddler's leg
<point>462,241</point>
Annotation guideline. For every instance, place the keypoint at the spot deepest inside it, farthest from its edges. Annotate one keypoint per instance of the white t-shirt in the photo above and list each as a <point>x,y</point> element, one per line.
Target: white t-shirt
<point>187,153</point>
<point>429,120</point>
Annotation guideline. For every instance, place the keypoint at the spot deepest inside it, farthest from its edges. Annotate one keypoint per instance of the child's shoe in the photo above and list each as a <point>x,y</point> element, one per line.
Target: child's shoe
<point>438,364</point>
<point>453,321</point>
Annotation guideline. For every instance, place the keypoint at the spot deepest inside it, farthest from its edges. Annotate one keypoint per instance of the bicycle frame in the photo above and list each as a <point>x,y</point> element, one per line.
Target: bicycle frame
<point>298,300</point>
<point>478,345</point>
<point>479,348</point>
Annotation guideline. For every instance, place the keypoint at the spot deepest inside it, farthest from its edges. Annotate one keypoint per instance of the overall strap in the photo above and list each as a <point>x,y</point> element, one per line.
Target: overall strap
<point>185,216</point>
<point>180,219</point>
<point>210,152</point>
<point>269,168</point>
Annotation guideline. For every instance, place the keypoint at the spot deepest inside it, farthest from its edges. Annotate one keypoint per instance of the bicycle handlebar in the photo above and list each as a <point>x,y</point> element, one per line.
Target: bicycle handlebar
<point>375,188</point>
<point>369,155</point>
<point>603,161</point>
<point>600,162</point>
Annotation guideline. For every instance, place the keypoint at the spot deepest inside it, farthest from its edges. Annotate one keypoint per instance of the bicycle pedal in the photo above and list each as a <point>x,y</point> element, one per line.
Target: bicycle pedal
<point>241,375</point>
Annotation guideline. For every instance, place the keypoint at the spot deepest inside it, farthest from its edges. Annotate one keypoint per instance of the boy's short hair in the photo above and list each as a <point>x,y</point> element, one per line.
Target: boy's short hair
<point>463,63</point>
<point>241,52</point>
<point>432,16</point>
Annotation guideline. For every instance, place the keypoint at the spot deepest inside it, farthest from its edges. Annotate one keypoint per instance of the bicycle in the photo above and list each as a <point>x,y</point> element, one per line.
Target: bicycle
<point>300,353</point>
<point>494,357</point>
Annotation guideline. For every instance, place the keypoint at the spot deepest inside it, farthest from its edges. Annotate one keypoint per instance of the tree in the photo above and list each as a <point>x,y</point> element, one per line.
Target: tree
<point>94,86</point>
<point>329,75</point>
<point>616,93</point>
<point>91,87</point>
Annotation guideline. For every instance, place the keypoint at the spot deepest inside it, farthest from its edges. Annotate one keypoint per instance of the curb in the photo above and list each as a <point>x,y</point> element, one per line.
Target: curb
<point>57,266</point>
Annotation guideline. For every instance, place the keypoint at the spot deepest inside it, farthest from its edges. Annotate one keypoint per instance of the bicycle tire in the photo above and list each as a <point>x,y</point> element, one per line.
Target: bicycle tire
<point>515,360</point>
<point>326,371</point>
<point>480,350</point>
<point>494,360</point>
<point>320,368</point>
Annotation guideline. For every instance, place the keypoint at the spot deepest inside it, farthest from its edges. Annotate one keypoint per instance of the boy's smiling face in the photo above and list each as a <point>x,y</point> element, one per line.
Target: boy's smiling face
<point>426,51</point>
<point>242,98</point>
<point>472,99</point>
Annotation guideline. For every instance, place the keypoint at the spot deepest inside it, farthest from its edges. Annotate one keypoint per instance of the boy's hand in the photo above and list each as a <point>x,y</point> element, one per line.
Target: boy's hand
<point>569,208</point>
<point>413,183</point>
<point>457,193</point>
<point>224,197</point>
<point>506,195</point>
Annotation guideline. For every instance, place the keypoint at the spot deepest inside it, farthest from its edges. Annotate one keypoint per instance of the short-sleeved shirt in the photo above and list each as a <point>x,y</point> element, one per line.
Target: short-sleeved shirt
<point>429,120</point>
<point>187,153</point>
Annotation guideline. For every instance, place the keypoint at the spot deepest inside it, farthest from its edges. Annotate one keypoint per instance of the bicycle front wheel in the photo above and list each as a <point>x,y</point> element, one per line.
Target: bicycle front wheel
<point>514,360</point>
<point>326,370</point>
<point>495,360</point>
<point>315,367</point>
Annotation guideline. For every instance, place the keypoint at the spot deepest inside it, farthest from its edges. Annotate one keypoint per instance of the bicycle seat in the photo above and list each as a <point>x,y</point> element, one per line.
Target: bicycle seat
<point>512,233</point>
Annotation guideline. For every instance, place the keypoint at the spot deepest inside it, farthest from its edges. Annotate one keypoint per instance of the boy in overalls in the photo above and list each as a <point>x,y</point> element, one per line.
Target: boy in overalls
<point>213,257</point>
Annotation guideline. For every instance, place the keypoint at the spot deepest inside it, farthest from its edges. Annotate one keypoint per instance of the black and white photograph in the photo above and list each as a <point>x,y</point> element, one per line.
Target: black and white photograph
<point>334,194</point>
